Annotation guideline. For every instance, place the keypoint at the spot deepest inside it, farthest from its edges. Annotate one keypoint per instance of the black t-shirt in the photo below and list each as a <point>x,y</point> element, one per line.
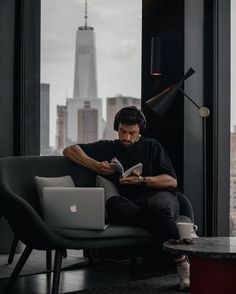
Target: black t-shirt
<point>147,151</point>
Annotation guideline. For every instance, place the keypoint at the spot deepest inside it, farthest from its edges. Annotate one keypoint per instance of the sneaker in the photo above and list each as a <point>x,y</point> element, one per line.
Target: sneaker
<point>183,271</point>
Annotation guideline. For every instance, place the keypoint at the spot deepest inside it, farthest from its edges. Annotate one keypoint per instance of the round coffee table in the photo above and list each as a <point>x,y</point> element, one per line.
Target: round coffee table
<point>212,264</point>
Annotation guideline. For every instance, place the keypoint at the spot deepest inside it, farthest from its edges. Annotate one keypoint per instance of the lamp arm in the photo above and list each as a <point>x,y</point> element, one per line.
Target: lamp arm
<point>189,98</point>
<point>202,111</point>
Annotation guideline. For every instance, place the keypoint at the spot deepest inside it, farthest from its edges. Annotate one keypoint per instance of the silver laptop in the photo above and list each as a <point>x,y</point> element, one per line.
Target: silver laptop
<point>74,208</point>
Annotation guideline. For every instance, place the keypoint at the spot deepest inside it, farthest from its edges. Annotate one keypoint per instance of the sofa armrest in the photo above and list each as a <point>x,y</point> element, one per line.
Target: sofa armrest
<point>185,206</point>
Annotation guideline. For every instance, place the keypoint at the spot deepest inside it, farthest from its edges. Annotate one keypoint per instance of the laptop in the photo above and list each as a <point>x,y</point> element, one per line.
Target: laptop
<point>74,208</point>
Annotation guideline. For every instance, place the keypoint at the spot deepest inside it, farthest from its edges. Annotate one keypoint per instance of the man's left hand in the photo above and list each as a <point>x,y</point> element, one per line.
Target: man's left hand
<point>133,179</point>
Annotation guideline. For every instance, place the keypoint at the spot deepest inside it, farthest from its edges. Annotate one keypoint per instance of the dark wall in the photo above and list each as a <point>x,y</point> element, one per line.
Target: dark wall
<point>7,26</point>
<point>19,77</point>
<point>165,18</point>
<point>194,34</point>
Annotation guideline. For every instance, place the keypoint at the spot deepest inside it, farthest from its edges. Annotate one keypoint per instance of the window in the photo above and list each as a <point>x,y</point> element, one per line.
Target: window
<point>90,58</point>
<point>233,124</point>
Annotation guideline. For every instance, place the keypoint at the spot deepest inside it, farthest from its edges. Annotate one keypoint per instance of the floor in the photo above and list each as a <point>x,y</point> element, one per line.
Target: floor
<point>103,273</point>
<point>73,280</point>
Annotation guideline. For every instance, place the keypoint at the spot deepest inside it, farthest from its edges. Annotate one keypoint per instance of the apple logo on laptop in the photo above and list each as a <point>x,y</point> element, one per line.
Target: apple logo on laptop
<point>73,208</point>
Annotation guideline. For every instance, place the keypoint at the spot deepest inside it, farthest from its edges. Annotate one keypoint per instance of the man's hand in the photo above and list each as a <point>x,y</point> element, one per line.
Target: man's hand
<point>133,179</point>
<point>104,168</point>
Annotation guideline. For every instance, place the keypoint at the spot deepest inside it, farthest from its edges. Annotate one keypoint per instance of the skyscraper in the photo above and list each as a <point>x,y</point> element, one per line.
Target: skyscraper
<point>85,76</point>
<point>44,119</point>
<point>61,137</point>
<point>84,110</point>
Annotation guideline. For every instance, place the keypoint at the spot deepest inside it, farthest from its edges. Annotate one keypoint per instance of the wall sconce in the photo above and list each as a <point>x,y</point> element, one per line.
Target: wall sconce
<point>161,102</point>
<point>156,56</point>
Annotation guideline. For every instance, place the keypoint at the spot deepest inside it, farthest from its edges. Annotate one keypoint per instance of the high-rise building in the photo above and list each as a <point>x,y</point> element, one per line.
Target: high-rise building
<point>84,110</point>
<point>61,136</point>
<point>85,76</point>
<point>114,104</point>
<point>84,120</point>
<point>44,119</point>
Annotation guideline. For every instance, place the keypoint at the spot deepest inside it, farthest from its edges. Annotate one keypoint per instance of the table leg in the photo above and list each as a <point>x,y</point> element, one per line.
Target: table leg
<point>209,275</point>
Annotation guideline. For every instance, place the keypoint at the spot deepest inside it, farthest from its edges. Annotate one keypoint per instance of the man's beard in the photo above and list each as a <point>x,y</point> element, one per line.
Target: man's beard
<point>126,144</point>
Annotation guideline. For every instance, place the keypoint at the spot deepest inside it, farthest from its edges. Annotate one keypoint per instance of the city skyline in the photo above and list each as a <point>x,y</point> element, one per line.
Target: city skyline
<point>58,44</point>
<point>118,42</point>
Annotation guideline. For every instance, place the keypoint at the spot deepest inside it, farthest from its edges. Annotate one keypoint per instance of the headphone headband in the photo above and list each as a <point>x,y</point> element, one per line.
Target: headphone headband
<point>131,111</point>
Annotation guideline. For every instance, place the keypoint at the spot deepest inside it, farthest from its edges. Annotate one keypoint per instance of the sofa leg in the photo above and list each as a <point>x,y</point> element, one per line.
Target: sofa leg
<point>57,271</point>
<point>48,260</point>
<point>26,253</point>
<point>65,254</point>
<point>13,250</point>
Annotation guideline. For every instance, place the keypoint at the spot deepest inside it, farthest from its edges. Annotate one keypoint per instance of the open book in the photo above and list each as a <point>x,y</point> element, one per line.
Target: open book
<point>117,166</point>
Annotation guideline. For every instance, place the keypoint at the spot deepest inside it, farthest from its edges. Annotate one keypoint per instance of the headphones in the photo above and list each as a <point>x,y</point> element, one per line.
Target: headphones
<point>130,111</point>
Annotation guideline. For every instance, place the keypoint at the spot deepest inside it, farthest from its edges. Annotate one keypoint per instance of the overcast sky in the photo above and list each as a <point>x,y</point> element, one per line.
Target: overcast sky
<point>117,26</point>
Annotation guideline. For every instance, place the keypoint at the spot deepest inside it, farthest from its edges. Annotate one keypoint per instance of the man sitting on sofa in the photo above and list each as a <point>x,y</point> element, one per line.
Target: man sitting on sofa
<point>146,199</point>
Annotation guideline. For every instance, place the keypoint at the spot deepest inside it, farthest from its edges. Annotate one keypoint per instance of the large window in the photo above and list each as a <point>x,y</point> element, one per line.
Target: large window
<point>90,68</point>
<point>233,123</point>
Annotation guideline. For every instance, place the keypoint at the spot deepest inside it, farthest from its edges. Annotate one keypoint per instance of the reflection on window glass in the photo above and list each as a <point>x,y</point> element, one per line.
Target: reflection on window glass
<point>90,68</point>
<point>233,123</point>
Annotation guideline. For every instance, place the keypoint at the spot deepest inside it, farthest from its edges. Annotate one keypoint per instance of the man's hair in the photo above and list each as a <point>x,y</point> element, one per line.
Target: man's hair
<point>130,116</point>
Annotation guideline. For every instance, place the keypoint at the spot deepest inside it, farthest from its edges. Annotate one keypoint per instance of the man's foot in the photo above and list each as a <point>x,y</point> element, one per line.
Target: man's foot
<point>183,270</point>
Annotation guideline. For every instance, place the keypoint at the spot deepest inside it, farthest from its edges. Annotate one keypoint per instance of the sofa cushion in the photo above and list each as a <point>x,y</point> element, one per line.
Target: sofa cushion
<point>42,182</point>
<point>109,188</point>
<point>113,231</point>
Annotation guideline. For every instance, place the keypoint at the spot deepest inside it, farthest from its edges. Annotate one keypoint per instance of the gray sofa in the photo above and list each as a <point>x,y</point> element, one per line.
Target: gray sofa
<point>20,202</point>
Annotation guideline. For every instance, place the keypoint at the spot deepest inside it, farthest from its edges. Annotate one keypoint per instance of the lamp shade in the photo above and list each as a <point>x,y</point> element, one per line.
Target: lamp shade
<point>161,102</point>
<point>156,56</point>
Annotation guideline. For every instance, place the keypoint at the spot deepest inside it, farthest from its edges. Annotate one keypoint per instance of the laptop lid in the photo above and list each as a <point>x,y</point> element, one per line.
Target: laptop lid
<point>74,208</point>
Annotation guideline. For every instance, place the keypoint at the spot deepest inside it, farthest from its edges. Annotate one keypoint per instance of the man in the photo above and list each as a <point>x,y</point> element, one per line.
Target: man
<point>146,200</point>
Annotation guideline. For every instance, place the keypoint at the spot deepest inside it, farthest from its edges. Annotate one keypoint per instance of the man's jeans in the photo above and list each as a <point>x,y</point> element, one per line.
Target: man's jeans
<point>157,214</point>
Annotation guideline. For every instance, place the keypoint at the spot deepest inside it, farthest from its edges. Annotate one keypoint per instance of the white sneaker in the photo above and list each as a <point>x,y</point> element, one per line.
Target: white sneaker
<point>183,271</point>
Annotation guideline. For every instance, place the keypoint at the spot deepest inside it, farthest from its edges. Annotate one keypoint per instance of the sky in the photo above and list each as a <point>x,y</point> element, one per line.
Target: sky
<point>117,26</point>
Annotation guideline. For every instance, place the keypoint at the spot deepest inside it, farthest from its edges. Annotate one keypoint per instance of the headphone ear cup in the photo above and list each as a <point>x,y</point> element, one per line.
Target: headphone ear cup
<point>115,125</point>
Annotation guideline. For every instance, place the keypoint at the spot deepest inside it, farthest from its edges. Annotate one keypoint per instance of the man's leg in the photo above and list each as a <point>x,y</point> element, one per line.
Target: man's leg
<point>162,210</point>
<point>121,210</point>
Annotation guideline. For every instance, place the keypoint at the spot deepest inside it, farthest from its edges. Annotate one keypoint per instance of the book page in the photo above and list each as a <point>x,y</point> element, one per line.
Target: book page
<point>138,168</point>
<point>117,166</point>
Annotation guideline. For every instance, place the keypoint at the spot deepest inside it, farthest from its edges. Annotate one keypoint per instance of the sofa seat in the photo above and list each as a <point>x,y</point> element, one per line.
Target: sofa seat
<point>113,231</point>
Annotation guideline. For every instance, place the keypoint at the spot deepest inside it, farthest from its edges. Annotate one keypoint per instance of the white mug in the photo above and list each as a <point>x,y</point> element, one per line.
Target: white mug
<point>186,230</point>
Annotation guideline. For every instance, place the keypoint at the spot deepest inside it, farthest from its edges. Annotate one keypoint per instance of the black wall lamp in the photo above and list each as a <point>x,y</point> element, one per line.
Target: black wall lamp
<point>161,102</point>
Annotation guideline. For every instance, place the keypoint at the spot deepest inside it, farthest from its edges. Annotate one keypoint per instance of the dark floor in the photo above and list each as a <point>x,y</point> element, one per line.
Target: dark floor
<point>103,273</point>
<point>71,280</point>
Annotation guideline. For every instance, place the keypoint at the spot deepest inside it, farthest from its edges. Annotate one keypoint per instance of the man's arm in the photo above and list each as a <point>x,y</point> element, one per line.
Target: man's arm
<point>160,181</point>
<point>76,154</point>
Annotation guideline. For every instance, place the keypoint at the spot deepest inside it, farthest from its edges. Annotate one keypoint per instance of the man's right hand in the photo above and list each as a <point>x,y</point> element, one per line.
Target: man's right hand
<point>104,168</point>
<point>76,154</point>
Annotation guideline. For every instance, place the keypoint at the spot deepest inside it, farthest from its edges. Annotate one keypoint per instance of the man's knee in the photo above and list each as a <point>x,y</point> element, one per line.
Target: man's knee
<point>163,203</point>
<point>122,211</point>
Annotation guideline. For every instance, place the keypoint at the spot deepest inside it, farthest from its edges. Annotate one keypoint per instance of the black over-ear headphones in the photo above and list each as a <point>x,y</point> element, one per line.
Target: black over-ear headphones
<point>130,111</point>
